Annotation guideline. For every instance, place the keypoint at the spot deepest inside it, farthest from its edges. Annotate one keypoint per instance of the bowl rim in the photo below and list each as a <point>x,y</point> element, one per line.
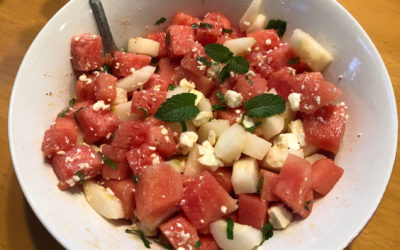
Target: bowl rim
<point>62,240</point>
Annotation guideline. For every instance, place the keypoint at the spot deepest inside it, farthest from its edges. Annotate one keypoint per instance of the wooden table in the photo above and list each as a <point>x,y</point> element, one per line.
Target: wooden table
<point>21,20</point>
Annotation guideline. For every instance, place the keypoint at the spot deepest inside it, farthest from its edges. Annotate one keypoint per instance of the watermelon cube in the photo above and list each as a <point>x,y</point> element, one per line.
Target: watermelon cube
<point>269,180</point>
<point>159,37</point>
<point>205,201</point>
<point>129,134</point>
<point>180,18</point>
<point>325,173</point>
<point>60,137</point>
<point>150,100</point>
<point>190,60</point>
<point>181,39</point>
<point>117,156</point>
<point>265,39</point>
<point>86,52</point>
<point>156,82</point>
<point>105,87</point>
<point>249,90</point>
<point>85,88</point>
<point>208,243</point>
<point>223,176</point>
<point>125,191</point>
<point>162,138</point>
<point>125,63</point>
<point>180,232</point>
<point>252,211</point>
<point>141,157</point>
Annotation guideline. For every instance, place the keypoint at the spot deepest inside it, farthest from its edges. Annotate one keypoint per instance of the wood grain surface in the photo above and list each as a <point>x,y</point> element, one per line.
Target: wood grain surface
<point>20,22</point>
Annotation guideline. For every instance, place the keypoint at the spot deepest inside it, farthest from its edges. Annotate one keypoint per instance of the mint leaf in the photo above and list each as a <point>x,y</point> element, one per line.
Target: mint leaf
<point>135,178</point>
<point>144,111</point>
<point>205,25</point>
<point>219,107</point>
<point>160,21</point>
<point>70,104</point>
<point>293,61</point>
<point>252,129</point>
<point>183,125</point>
<point>259,185</point>
<point>171,86</point>
<point>108,161</point>
<point>178,108</point>
<point>198,244</point>
<point>146,242</point>
<point>194,26</point>
<point>278,25</point>
<point>167,39</point>
<point>228,31</point>
<point>224,73</point>
<point>220,97</point>
<point>249,80</point>
<point>238,65</point>
<point>306,206</point>
<point>204,61</point>
<point>265,105</point>
<point>267,232</point>
<point>81,176</point>
<point>218,52</point>
<point>104,68</point>
<point>229,228</point>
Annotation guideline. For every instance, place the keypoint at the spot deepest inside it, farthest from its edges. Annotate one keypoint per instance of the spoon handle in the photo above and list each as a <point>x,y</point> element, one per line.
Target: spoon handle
<point>102,24</point>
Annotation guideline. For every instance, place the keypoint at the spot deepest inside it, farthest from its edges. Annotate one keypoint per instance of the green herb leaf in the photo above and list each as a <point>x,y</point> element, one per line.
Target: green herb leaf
<point>166,245</point>
<point>178,108</point>
<point>167,39</point>
<point>265,105</point>
<point>194,26</point>
<point>228,31</point>
<point>160,21</point>
<point>171,86</point>
<point>216,107</point>
<point>259,185</point>
<point>144,111</point>
<point>249,80</point>
<point>183,125</point>
<point>278,25</point>
<point>81,176</point>
<point>198,244</point>
<point>252,129</point>
<point>306,206</point>
<point>76,112</point>
<point>267,232</point>
<point>218,52</point>
<point>70,104</point>
<point>135,178</point>
<point>229,228</point>
<point>239,65</point>
<point>104,68</point>
<point>220,97</point>
<point>293,61</point>
<point>224,73</point>
<point>204,61</point>
<point>108,161</point>
<point>139,233</point>
<point>124,50</point>
<point>205,25</point>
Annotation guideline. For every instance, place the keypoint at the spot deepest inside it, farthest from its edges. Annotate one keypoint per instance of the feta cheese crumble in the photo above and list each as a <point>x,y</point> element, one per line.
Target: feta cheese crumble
<point>100,105</point>
<point>187,84</point>
<point>233,99</point>
<point>186,141</point>
<point>294,101</point>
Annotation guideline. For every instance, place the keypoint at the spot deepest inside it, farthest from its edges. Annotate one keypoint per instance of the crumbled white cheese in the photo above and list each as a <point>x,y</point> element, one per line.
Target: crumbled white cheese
<point>100,105</point>
<point>246,23</point>
<point>187,84</point>
<point>294,101</point>
<point>186,141</point>
<point>268,42</point>
<point>224,209</point>
<point>212,137</point>
<point>164,131</point>
<point>287,140</point>
<point>279,216</point>
<point>247,122</point>
<point>208,157</point>
<point>214,70</point>
<point>296,128</point>
<point>61,152</point>
<point>233,99</point>
<point>201,118</point>
<point>199,96</point>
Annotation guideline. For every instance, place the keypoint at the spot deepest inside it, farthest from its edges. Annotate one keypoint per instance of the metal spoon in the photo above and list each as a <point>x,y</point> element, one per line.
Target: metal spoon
<point>104,29</point>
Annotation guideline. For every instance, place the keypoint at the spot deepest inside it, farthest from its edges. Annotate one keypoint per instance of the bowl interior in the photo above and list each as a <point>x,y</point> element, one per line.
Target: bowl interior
<point>44,85</point>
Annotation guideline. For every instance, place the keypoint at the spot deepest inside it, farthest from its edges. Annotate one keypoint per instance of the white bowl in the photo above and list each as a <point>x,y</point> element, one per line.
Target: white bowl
<point>336,219</point>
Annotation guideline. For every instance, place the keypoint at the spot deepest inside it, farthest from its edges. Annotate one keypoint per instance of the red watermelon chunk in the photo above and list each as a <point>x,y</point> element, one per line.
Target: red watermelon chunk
<point>269,180</point>
<point>265,39</point>
<point>105,87</point>
<point>207,35</point>
<point>85,88</point>
<point>325,128</point>
<point>205,201</point>
<point>231,115</point>
<point>208,243</point>
<point>86,52</point>
<point>126,63</point>
<point>167,69</point>
<point>129,134</point>
<point>180,18</point>
<point>294,184</point>
<point>159,37</point>
<point>141,157</point>
<point>156,82</point>
<point>60,137</point>
<point>181,39</point>
<point>96,125</point>
<point>325,173</point>
<point>162,138</point>
<point>117,156</point>
<point>158,191</point>
<point>221,20</point>
<point>83,159</point>
<point>180,232</point>
<point>150,100</point>
<point>252,211</point>
<point>77,106</point>
<point>223,176</point>
<point>191,63</point>
<point>125,191</point>
<point>249,90</point>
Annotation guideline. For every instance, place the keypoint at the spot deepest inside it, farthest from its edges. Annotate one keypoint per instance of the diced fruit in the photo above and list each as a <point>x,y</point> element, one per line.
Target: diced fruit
<point>216,125</point>
<point>156,82</point>
<point>136,79</point>
<point>279,216</point>
<point>167,69</point>
<point>190,60</point>
<point>244,237</point>
<point>117,156</point>
<point>325,128</point>
<point>60,137</point>
<point>96,124</point>
<point>181,39</point>
<point>294,184</point>
<point>141,157</point>
<point>276,157</point>
<point>272,126</point>
<point>85,88</point>
<point>129,134</point>
<point>310,51</point>
<point>240,46</point>
<point>203,84</point>
<point>220,20</point>
<point>245,176</point>
<point>250,15</point>
<point>180,232</point>
<point>121,96</point>
<point>193,167</point>
<point>178,164</point>
<point>103,201</point>
<point>265,39</point>
<point>180,18</point>
<point>325,173</point>
<point>149,227</point>
<point>143,46</point>
<point>208,243</point>
<point>160,38</point>
<point>158,191</point>
<point>105,87</point>
<point>149,100</point>
<point>314,157</point>
<point>76,164</point>
<point>123,112</point>
<point>205,105</point>
<point>250,90</point>
<point>163,139</point>
<point>126,63</point>
<point>204,200</point>
<point>177,127</point>
<point>227,149</point>
<point>309,149</point>
<point>224,178</point>
<point>268,182</point>
<point>256,147</point>
<point>231,115</point>
<point>258,24</point>
<point>252,211</point>
<point>77,106</point>
<point>206,35</point>
<point>86,52</point>
<point>125,191</point>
